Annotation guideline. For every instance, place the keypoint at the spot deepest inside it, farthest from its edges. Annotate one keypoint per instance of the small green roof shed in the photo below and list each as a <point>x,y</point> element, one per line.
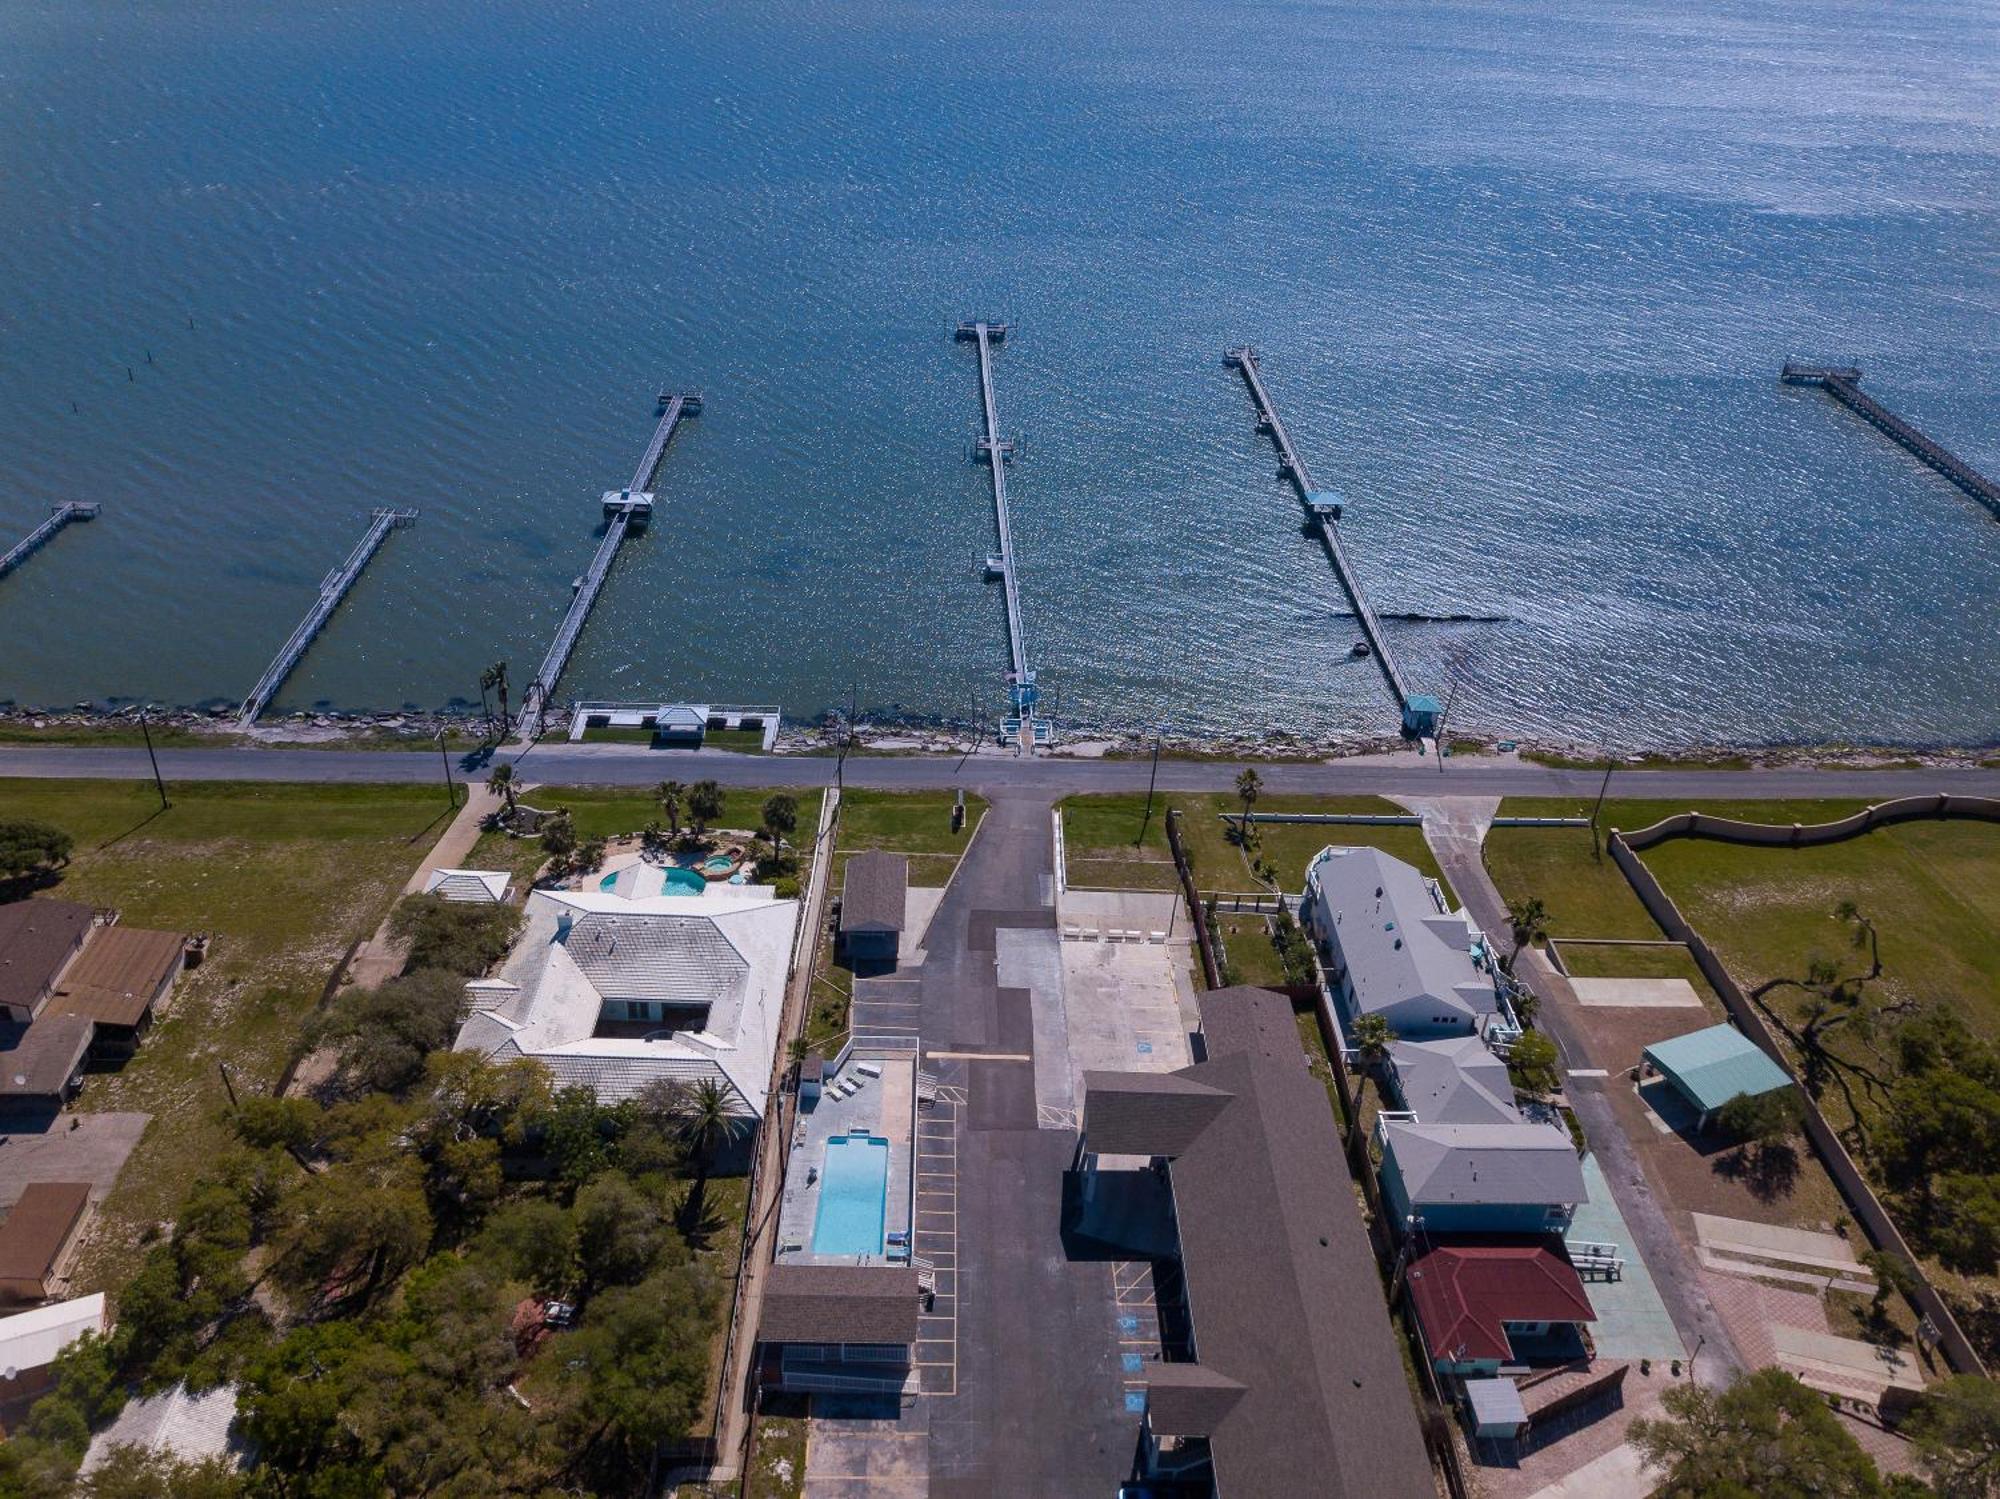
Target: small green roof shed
<point>1710,1067</point>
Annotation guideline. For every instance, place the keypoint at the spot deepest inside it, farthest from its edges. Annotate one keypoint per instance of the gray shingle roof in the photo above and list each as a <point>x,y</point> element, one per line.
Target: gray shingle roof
<point>1188,1400</point>
<point>1394,942</point>
<point>1146,1113</point>
<point>1282,1289</point>
<point>1453,1081</point>
<point>839,1304</point>
<point>1519,1164</point>
<point>873,891</point>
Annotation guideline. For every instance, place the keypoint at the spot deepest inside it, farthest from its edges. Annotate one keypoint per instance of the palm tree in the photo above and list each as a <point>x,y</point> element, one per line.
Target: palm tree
<point>781,816</point>
<point>704,805</point>
<point>702,1111</point>
<point>1530,919</point>
<point>486,706</point>
<point>501,783</point>
<point>1249,786</point>
<point>671,794</point>
<point>1371,1040</point>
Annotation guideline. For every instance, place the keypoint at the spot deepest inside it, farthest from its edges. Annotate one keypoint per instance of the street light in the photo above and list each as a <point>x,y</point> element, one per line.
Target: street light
<point>450,791</point>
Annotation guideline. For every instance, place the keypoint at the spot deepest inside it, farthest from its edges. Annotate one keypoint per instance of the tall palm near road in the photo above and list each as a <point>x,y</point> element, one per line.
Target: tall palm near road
<point>501,783</point>
<point>1371,1039</point>
<point>1249,786</point>
<point>485,704</point>
<point>704,805</point>
<point>670,795</point>
<point>1530,919</point>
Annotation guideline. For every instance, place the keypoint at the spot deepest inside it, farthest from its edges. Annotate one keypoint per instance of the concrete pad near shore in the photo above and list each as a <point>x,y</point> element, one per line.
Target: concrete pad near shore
<point>1636,994</point>
<point>1837,1365</point>
<point>1620,1471</point>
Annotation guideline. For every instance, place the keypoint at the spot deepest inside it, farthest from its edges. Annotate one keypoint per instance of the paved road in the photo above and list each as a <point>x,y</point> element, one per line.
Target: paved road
<point>1454,832</point>
<point>635,765</point>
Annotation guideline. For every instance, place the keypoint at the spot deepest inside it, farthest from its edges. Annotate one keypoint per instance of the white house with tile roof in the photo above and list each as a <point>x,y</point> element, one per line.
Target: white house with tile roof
<point>616,993</point>
<point>485,886</point>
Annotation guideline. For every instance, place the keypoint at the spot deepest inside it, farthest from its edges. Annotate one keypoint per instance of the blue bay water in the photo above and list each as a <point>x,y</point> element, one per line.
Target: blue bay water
<point>1521,275</point>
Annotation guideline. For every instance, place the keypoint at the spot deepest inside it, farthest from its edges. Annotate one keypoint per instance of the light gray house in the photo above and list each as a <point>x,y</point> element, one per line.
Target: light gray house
<point>1481,1178</point>
<point>1393,950</point>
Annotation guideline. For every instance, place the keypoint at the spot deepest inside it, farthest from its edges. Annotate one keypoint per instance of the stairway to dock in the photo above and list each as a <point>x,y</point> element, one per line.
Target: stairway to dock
<point>331,592</point>
<point>1021,724</point>
<point>1843,383</point>
<point>59,516</point>
<point>1419,712</point>
<point>625,510</point>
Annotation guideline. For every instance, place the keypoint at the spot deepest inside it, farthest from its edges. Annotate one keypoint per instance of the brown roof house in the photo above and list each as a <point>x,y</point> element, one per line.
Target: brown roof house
<point>873,892</point>
<point>117,980</point>
<point>1294,1381</point>
<point>36,1237</point>
<point>838,1327</point>
<point>38,939</point>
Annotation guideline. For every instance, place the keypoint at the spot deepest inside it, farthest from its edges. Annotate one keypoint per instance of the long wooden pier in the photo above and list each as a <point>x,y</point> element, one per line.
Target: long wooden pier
<point>331,592</point>
<point>1419,712</point>
<point>1022,694</point>
<point>1843,383</point>
<point>59,516</point>
<point>625,510</point>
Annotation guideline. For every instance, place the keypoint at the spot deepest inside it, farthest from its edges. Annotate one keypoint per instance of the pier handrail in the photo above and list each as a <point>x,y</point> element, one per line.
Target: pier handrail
<point>59,516</point>
<point>1244,359</point>
<point>331,591</point>
<point>535,701</point>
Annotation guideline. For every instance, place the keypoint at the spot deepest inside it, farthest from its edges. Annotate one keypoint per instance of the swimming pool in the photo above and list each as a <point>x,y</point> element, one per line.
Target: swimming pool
<point>674,880</point>
<point>853,1195</point>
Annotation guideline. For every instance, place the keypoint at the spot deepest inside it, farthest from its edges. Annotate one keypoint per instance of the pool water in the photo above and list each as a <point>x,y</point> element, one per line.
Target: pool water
<point>853,1196</point>
<point>719,864</point>
<point>673,881</point>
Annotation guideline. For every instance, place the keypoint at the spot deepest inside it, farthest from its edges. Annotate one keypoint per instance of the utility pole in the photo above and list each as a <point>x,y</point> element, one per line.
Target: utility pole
<point>159,785</point>
<point>1603,787</point>
<point>450,792</point>
<point>846,738</point>
<point>1445,718</point>
<point>1151,780</point>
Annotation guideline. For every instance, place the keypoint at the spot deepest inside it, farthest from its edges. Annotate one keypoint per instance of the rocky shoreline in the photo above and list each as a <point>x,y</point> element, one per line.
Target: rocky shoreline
<point>931,737</point>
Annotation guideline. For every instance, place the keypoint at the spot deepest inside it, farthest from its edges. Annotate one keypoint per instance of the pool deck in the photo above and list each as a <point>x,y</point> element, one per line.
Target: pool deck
<point>883,1106</point>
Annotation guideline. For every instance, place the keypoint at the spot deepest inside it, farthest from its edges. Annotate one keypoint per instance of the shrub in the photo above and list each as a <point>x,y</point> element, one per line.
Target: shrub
<point>461,937</point>
<point>28,846</point>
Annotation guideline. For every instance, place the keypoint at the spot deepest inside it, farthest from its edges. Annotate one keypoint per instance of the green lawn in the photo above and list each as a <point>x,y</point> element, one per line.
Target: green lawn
<point>284,879</point>
<point>1932,890</point>
<point>1103,847</point>
<point>1585,894</point>
<point>917,823</point>
<point>1635,963</point>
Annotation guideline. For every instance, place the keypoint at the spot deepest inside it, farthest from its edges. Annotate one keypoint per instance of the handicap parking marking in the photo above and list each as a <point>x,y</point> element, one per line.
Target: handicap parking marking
<point>1135,1402</point>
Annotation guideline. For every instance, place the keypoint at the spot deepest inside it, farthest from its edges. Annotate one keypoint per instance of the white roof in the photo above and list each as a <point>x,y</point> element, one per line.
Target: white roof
<point>727,949</point>
<point>191,1427</point>
<point>468,884</point>
<point>31,1340</point>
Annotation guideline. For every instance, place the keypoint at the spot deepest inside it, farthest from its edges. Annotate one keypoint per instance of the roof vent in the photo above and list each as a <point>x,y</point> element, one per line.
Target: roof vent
<point>1399,944</point>
<point>1378,892</point>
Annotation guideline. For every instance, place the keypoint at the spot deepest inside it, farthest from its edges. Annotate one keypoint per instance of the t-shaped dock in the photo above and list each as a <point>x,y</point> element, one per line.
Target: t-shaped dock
<point>627,509</point>
<point>1022,694</point>
<point>1420,711</point>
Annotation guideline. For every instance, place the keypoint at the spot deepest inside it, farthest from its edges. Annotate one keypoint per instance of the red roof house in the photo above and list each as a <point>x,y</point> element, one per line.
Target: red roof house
<point>1488,1302</point>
